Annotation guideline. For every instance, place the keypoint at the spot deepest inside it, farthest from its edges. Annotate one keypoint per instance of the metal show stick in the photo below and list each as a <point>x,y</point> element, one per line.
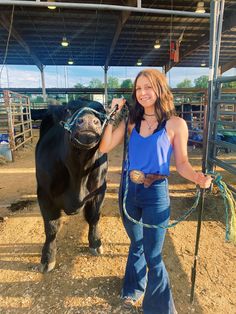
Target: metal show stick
<point>194,267</point>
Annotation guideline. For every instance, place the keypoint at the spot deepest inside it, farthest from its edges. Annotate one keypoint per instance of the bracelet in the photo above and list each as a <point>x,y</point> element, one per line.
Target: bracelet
<point>111,121</point>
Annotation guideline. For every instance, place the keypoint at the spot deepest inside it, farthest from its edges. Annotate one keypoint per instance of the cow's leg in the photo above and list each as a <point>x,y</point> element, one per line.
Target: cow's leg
<point>92,215</point>
<point>51,218</point>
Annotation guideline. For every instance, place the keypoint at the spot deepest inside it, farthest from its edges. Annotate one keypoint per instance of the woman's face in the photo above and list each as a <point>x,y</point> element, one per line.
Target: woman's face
<point>145,93</point>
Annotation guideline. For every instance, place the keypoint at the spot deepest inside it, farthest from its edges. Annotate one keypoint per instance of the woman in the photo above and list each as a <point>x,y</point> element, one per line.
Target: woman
<point>155,131</point>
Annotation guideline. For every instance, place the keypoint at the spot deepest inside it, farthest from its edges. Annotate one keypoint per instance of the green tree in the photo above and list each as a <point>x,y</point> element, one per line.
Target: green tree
<point>201,82</point>
<point>229,85</point>
<point>39,99</point>
<point>79,85</point>
<point>95,83</point>
<point>127,84</point>
<point>113,82</point>
<point>186,83</point>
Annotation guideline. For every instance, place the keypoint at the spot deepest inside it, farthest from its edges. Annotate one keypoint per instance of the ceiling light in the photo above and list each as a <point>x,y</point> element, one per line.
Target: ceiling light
<point>203,64</point>
<point>139,62</point>
<point>200,7</point>
<point>51,7</point>
<point>64,42</point>
<point>157,44</point>
<point>70,61</point>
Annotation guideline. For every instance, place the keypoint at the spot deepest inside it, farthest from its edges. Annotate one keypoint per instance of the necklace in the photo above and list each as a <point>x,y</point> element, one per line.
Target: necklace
<point>149,115</point>
<point>150,125</point>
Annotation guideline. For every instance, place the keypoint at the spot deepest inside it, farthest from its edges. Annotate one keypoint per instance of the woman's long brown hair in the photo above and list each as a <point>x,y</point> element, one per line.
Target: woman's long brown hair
<point>164,106</point>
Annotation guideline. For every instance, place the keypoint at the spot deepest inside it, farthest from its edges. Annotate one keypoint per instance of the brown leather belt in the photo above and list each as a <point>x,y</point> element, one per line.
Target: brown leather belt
<point>139,177</point>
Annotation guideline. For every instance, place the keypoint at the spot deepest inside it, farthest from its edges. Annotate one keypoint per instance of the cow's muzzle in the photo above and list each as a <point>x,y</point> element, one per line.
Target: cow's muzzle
<point>85,128</point>
<point>85,138</point>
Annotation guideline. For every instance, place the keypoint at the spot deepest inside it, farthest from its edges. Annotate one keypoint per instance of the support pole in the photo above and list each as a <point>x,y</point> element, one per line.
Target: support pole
<point>43,83</point>
<point>216,17</point>
<point>164,69</point>
<point>105,85</point>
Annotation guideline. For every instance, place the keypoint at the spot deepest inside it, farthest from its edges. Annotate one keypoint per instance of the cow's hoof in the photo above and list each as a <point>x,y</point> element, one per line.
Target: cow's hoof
<point>97,251</point>
<point>46,268</point>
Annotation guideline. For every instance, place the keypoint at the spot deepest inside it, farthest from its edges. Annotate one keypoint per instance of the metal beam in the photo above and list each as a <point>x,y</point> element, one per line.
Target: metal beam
<point>227,66</point>
<point>124,17</point>
<point>230,23</point>
<point>6,24</point>
<point>226,79</point>
<point>90,6</point>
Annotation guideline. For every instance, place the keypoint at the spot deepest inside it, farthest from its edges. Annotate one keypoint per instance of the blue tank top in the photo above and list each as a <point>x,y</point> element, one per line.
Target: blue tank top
<point>150,154</point>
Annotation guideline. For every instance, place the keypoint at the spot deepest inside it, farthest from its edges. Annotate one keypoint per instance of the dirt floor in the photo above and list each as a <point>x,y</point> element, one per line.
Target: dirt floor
<point>82,283</point>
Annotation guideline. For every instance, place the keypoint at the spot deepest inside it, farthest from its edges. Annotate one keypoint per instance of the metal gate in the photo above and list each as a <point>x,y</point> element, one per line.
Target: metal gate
<point>221,112</point>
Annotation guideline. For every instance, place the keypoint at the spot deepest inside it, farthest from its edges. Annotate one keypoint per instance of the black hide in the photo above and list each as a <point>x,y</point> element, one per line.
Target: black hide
<point>70,177</point>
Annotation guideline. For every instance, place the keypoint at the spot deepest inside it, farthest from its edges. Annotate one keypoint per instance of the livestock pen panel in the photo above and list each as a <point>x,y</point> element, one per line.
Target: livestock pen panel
<point>15,118</point>
<point>222,127</point>
<point>190,105</point>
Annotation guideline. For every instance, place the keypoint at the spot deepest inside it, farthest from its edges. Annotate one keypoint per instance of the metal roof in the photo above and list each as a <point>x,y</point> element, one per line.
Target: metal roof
<point>112,37</point>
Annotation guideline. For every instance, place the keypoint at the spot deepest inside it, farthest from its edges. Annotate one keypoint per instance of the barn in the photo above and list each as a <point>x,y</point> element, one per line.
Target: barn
<point>163,34</point>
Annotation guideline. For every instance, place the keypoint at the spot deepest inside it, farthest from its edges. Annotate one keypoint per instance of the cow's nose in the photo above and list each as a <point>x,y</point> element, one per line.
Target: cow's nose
<point>96,121</point>
<point>80,121</point>
<point>93,121</point>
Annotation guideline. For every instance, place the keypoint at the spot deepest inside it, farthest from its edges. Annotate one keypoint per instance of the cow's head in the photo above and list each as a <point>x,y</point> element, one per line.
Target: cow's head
<point>85,127</point>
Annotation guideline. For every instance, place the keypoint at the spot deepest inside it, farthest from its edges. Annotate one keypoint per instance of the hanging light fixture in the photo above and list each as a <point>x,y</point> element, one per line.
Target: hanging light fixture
<point>51,7</point>
<point>70,61</point>
<point>64,42</point>
<point>203,63</point>
<point>200,7</point>
<point>157,44</point>
<point>139,62</point>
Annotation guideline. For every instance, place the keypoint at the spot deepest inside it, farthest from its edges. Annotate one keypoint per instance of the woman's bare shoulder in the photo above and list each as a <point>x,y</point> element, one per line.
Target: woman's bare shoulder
<point>176,122</point>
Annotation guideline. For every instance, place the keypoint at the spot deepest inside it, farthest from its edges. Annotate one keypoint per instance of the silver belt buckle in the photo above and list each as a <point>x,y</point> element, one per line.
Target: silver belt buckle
<point>137,176</point>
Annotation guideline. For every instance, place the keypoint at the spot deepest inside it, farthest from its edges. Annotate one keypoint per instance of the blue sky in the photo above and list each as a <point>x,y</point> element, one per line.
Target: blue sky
<point>29,76</point>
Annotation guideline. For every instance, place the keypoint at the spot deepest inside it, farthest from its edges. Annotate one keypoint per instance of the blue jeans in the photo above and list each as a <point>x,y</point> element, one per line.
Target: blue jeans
<point>145,270</point>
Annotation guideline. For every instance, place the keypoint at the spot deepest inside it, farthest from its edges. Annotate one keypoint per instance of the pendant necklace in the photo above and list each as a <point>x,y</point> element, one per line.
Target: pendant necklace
<point>150,125</point>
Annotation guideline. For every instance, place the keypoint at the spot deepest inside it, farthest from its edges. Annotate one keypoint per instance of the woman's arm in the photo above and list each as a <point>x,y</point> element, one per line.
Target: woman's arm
<point>184,168</point>
<point>111,138</point>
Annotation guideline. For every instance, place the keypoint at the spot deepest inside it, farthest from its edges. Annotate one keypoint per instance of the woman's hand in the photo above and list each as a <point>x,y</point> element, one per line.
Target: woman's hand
<point>203,181</point>
<point>118,101</point>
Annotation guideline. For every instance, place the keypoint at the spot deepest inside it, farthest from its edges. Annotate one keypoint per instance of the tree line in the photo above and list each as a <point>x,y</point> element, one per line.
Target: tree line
<point>113,82</point>
<point>201,82</point>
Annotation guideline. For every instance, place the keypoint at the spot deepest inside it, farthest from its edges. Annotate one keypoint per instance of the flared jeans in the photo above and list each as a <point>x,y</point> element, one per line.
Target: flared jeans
<point>145,270</point>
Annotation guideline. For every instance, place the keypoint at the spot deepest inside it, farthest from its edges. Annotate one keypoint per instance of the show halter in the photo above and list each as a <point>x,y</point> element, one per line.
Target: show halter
<point>104,118</point>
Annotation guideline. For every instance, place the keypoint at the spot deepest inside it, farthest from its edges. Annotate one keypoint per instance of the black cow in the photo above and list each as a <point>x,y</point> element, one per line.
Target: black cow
<point>70,171</point>
<point>38,114</point>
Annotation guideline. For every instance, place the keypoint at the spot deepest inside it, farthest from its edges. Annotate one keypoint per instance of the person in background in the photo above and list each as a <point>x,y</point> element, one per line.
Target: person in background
<point>155,132</point>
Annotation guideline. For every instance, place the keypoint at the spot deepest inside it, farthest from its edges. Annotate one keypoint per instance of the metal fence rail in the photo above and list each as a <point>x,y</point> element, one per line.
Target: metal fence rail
<point>15,118</point>
<point>190,105</point>
<point>222,129</point>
